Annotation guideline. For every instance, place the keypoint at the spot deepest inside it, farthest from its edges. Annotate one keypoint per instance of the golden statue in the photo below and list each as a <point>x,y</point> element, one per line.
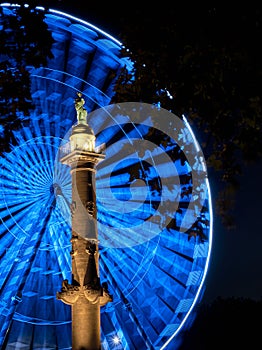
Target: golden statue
<point>80,110</point>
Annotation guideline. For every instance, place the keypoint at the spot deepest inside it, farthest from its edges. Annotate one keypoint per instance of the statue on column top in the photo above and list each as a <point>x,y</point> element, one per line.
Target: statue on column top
<point>80,110</point>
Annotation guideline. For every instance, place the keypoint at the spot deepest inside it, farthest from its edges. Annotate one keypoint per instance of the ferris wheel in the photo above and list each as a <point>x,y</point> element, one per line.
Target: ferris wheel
<point>153,201</point>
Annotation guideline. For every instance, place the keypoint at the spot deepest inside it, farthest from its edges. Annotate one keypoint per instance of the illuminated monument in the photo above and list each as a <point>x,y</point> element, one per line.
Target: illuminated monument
<point>85,293</point>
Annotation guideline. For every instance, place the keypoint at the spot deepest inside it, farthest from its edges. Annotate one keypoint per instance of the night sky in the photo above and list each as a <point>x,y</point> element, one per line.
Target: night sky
<point>236,259</point>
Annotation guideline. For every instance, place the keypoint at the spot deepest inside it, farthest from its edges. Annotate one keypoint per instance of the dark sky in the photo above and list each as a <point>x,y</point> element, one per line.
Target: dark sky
<point>236,259</point>
<point>113,17</point>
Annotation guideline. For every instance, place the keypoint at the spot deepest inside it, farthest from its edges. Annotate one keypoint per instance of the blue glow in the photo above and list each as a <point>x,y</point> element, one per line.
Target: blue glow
<point>87,24</point>
<point>61,13</point>
<point>156,283</point>
<point>204,273</point>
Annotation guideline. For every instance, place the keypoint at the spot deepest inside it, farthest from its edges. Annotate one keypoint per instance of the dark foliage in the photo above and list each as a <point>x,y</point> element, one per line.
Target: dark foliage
<point>205,64</point>
<point>25,42</point>
<point>201,61</point>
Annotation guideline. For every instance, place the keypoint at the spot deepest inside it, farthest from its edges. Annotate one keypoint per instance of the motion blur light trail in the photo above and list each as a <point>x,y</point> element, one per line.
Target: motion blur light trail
<point>153,200</point>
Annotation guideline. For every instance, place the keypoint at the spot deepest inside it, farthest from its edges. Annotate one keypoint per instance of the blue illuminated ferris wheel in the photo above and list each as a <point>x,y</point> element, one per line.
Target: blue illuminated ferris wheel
<point>153,200</point>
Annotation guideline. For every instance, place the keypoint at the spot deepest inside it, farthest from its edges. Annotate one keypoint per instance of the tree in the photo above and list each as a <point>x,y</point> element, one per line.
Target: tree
<point>204,64</point>
<point>25,42</point>
<point>200,62</point>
